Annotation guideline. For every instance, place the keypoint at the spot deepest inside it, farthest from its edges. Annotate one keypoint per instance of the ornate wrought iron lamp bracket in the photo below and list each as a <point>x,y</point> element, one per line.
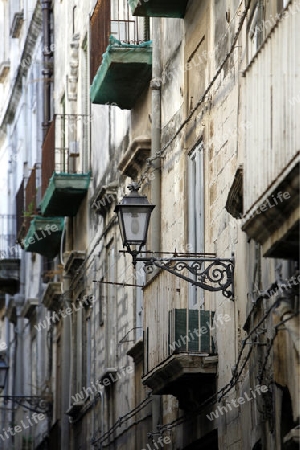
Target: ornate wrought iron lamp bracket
<point>209,273</point>
<point>32,403</point>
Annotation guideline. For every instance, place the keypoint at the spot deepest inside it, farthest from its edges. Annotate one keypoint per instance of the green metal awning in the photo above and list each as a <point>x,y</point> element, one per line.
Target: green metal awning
<point>158,8</point>
<point>44,236</point>
<point>64,194</point>
<point>10,275</point>
<point>124,73</point>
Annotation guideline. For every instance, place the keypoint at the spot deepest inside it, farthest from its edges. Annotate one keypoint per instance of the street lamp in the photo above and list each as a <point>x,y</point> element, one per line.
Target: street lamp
<point>3,372</point>
<point>134,213</point>
<point>204,270</point>
<point>35,403</point>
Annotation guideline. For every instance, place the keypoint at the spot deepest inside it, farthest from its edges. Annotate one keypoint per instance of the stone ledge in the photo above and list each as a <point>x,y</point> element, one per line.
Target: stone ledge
<point>135,157</point>
<point>51,297</point>
<point>29,307</point>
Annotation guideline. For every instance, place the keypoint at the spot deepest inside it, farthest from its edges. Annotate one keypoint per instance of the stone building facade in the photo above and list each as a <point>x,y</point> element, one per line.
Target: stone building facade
<point>197,102</point>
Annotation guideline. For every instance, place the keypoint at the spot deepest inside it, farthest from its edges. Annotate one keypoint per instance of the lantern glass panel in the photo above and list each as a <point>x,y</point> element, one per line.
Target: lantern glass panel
<point>135,225</point>
<point>3,373</point>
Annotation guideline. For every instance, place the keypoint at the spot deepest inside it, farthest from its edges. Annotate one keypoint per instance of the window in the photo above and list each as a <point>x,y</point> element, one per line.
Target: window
<point>255,31</point>
<point>196,214</point>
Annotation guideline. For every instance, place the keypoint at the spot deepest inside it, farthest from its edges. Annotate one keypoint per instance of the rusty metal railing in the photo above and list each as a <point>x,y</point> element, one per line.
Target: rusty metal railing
<point>48,156</point>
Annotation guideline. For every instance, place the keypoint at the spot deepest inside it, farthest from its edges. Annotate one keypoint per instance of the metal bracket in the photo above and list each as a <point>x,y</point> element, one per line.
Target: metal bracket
<point>35,403</point>
<point>209,273</point>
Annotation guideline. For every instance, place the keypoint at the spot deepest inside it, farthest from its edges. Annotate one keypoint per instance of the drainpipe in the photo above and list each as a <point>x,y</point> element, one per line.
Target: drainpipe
<point>66,375</point>
<point>156,182</point>
<point>46,5</point>
<point>156,135</point>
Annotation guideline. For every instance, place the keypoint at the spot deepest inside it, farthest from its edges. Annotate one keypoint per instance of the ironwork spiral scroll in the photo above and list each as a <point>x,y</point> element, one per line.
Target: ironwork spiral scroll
<point>32,403</point>
<point>216,276</point>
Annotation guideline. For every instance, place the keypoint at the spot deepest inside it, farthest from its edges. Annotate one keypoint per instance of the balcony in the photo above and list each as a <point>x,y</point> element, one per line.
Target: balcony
<point>121,63</point>
<point>44,236</point>
<point>63,186</point>
<point>9,256</point>
<point>189,371</point>
<point>123,75</point>
<point>64,194</point>
<point>158,8</point>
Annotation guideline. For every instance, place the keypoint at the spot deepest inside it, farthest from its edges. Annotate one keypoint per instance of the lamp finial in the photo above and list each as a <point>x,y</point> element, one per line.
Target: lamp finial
<point>134,186</point>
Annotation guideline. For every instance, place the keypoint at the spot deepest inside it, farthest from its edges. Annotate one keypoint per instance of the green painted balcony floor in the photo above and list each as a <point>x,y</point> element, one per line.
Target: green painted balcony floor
<point>44,236</point>
<point>125,72</point>
<point>10,275</point>
<point>158,8</point>
<point>64,194</point>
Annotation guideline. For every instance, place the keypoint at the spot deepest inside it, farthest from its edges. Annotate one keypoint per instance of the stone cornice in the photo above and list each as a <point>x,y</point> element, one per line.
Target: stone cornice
<point>25,62</point>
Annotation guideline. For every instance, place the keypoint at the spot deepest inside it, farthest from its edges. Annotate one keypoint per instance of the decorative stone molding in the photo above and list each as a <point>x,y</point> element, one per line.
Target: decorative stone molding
<point>234,203</point>
<point>51,297</point>
<point>104,197</point>
<point>137,351</point>
<point>17,23</point>
<point>74,261</point>
<point>29,307</point>
<point>25,62</point>
<point>11,312</point>
<point>135,157</point>
<point>74,409</point>
<point>4,70</point>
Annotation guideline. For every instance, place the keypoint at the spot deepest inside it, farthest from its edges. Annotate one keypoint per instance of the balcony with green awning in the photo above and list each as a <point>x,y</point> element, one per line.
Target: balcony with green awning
<point>44,236</point>
<point>158,8</point>
<point>123,75</point>
<point>64,194</point>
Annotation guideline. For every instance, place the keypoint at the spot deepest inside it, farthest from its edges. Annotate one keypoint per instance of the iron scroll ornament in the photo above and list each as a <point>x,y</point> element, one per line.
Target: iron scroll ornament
<point>32,403</point>
<point>210,274</point>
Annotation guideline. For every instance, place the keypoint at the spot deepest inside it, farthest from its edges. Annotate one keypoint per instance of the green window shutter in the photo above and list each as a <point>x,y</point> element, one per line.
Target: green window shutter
<point>193,344</point>
<point>180,328</point>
